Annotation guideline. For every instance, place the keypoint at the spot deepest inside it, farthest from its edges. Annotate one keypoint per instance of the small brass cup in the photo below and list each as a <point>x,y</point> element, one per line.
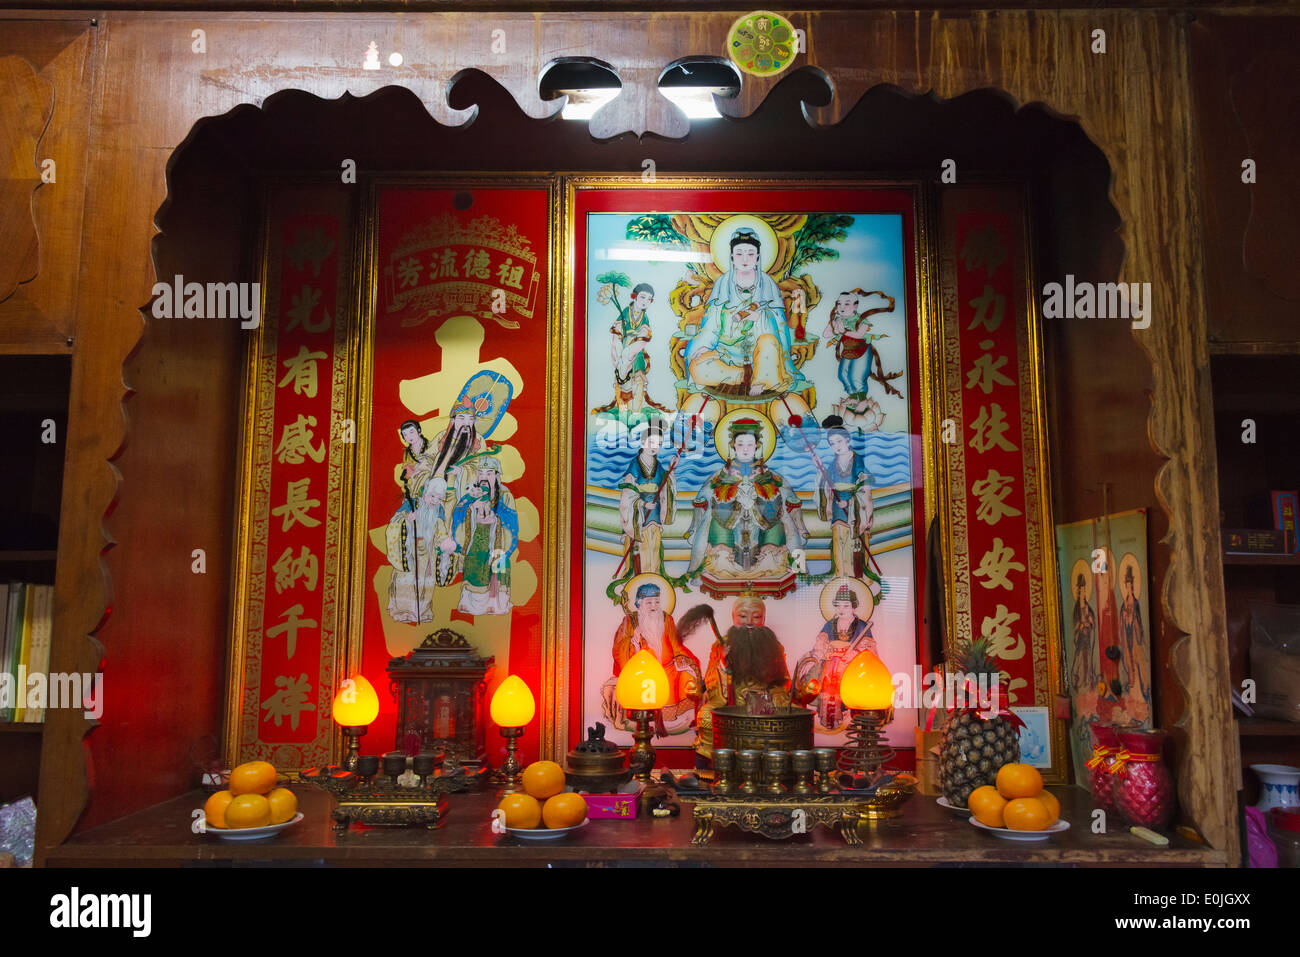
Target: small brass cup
<point>778,765</point>
<point>724,766</point>
<point>747,762</point>
<point>802,762</point>
<point>825,760</point>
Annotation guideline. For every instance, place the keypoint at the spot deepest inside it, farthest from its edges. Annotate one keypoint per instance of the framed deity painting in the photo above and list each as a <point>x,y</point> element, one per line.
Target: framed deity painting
<point>1105,619</point>
<point>746,454</point>
<point>452,437</point>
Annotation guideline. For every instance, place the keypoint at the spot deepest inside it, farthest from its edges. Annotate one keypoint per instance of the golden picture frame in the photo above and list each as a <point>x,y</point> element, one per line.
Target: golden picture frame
<point>560,537</point>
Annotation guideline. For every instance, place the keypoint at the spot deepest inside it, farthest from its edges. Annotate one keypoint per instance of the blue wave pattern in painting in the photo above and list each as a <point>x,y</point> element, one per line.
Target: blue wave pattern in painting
<point>888,456</point>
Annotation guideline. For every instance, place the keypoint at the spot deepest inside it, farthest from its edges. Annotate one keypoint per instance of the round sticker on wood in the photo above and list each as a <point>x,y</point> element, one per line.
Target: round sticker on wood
<point>761,43</point>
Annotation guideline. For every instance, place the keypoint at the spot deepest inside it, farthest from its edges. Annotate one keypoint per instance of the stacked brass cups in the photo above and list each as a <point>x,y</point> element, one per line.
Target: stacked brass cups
<point>773,773</point>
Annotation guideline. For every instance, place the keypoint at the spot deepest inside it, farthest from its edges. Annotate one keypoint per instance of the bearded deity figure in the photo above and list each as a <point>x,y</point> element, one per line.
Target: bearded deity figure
<point>748,659</point>
<point>649,626</point>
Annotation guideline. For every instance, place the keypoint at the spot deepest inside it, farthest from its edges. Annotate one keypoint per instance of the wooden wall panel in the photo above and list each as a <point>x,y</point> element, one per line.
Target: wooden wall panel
<point>168,628</point>
<point>38,316</point>
<point>1246,78</point>
<point>1134,102</point>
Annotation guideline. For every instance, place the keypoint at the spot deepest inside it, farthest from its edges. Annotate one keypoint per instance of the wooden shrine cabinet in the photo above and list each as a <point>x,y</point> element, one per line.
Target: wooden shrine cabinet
<point>439,691</point>
<point>159,173</point>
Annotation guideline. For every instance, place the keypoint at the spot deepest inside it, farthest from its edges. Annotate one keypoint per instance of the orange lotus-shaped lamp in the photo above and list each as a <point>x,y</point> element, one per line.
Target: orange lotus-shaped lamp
<point>868,690</point>
<point>512,707</point>
<point>642,690</point>
<point>355,706</point>
<point>867,684</point>
<point>642,684</point>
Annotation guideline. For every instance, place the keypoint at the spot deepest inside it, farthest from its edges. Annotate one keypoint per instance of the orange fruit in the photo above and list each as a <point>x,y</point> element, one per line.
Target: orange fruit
<point>284,805</point>
<point>248,810</point>
<point>1051,803</point>
<point>1026,814</point>
<point>542,779</point>
<point>214,809</point>
<point>254,777</point>
<point>564,810</point>
<point>1019,781</point>
<point>522,810</point>
<point>987,805</point>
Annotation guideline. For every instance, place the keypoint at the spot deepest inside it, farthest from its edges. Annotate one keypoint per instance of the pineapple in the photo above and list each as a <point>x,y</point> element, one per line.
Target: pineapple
<point>972,749</point>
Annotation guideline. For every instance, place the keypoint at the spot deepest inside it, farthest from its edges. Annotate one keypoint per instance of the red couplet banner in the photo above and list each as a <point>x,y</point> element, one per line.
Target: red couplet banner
<point>1003,572</point>
<point>289,549</point>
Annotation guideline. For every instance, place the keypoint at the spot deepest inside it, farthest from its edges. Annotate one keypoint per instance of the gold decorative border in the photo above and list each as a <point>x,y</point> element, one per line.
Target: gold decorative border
<point>929,323</point>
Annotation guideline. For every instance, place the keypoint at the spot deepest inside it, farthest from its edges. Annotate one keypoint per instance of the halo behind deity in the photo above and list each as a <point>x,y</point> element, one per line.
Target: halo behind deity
<point>1130,561</point>
<point>722,434</point>
<point>1081,567</point>
<point>667,597</point>
<point>866,602</point>
<point>720,241</point>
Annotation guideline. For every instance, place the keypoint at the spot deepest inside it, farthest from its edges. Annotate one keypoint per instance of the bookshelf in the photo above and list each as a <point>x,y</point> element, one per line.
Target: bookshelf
<point>1264,388</point>
<point>33,410</point>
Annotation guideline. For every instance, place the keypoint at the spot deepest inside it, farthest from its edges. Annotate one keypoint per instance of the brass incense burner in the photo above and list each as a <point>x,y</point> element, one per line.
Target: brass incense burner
<point>595,765</point>
<point>786,729</point>
<point>369,797</point>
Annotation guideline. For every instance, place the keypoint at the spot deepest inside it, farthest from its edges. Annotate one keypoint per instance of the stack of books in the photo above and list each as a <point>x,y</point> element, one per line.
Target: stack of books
<point>26,623</point>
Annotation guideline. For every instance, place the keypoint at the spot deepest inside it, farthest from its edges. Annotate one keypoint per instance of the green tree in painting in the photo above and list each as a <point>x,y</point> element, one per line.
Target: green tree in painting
<point>809,243</point>
<point>655,228</point>
<point>614,280</point>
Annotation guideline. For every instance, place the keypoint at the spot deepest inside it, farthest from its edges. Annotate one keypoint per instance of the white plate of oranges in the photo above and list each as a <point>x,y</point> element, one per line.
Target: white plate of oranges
<point>251,807</point>
<point>1019,808</point>
<point>544,810</point>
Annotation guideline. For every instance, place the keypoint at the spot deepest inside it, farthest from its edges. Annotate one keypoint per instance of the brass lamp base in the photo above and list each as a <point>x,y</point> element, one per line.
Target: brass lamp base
<point>354,735</point>
<point>509,777</point>
<point>641,762</point>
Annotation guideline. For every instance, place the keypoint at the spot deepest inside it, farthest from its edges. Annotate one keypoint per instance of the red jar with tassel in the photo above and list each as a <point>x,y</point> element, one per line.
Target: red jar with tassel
<point>1105,745</point>
<point>1144,789</point>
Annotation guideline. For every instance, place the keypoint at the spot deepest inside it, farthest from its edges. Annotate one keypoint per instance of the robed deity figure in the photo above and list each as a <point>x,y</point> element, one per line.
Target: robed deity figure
<point>647,500</point>
<point>1110,685</point>
<point>484,532</point>
<point>817,674</point>
<point>743,346</point>
<point>855,350</point>
<point>1132,640</point>
<point>412,531</point>
<point>746,514</point>
<point>1083,664</point>
<point>630,350</point>
<point>843,495</point>
<point>649,626</point>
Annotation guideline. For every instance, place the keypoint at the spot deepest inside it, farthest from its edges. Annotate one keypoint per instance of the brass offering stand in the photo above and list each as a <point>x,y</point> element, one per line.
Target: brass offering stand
<point>367,797</point>
<point>795,792</point>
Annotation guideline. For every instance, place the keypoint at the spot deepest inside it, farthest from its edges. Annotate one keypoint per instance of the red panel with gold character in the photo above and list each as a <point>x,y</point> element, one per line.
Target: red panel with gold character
<point>453,447</point>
